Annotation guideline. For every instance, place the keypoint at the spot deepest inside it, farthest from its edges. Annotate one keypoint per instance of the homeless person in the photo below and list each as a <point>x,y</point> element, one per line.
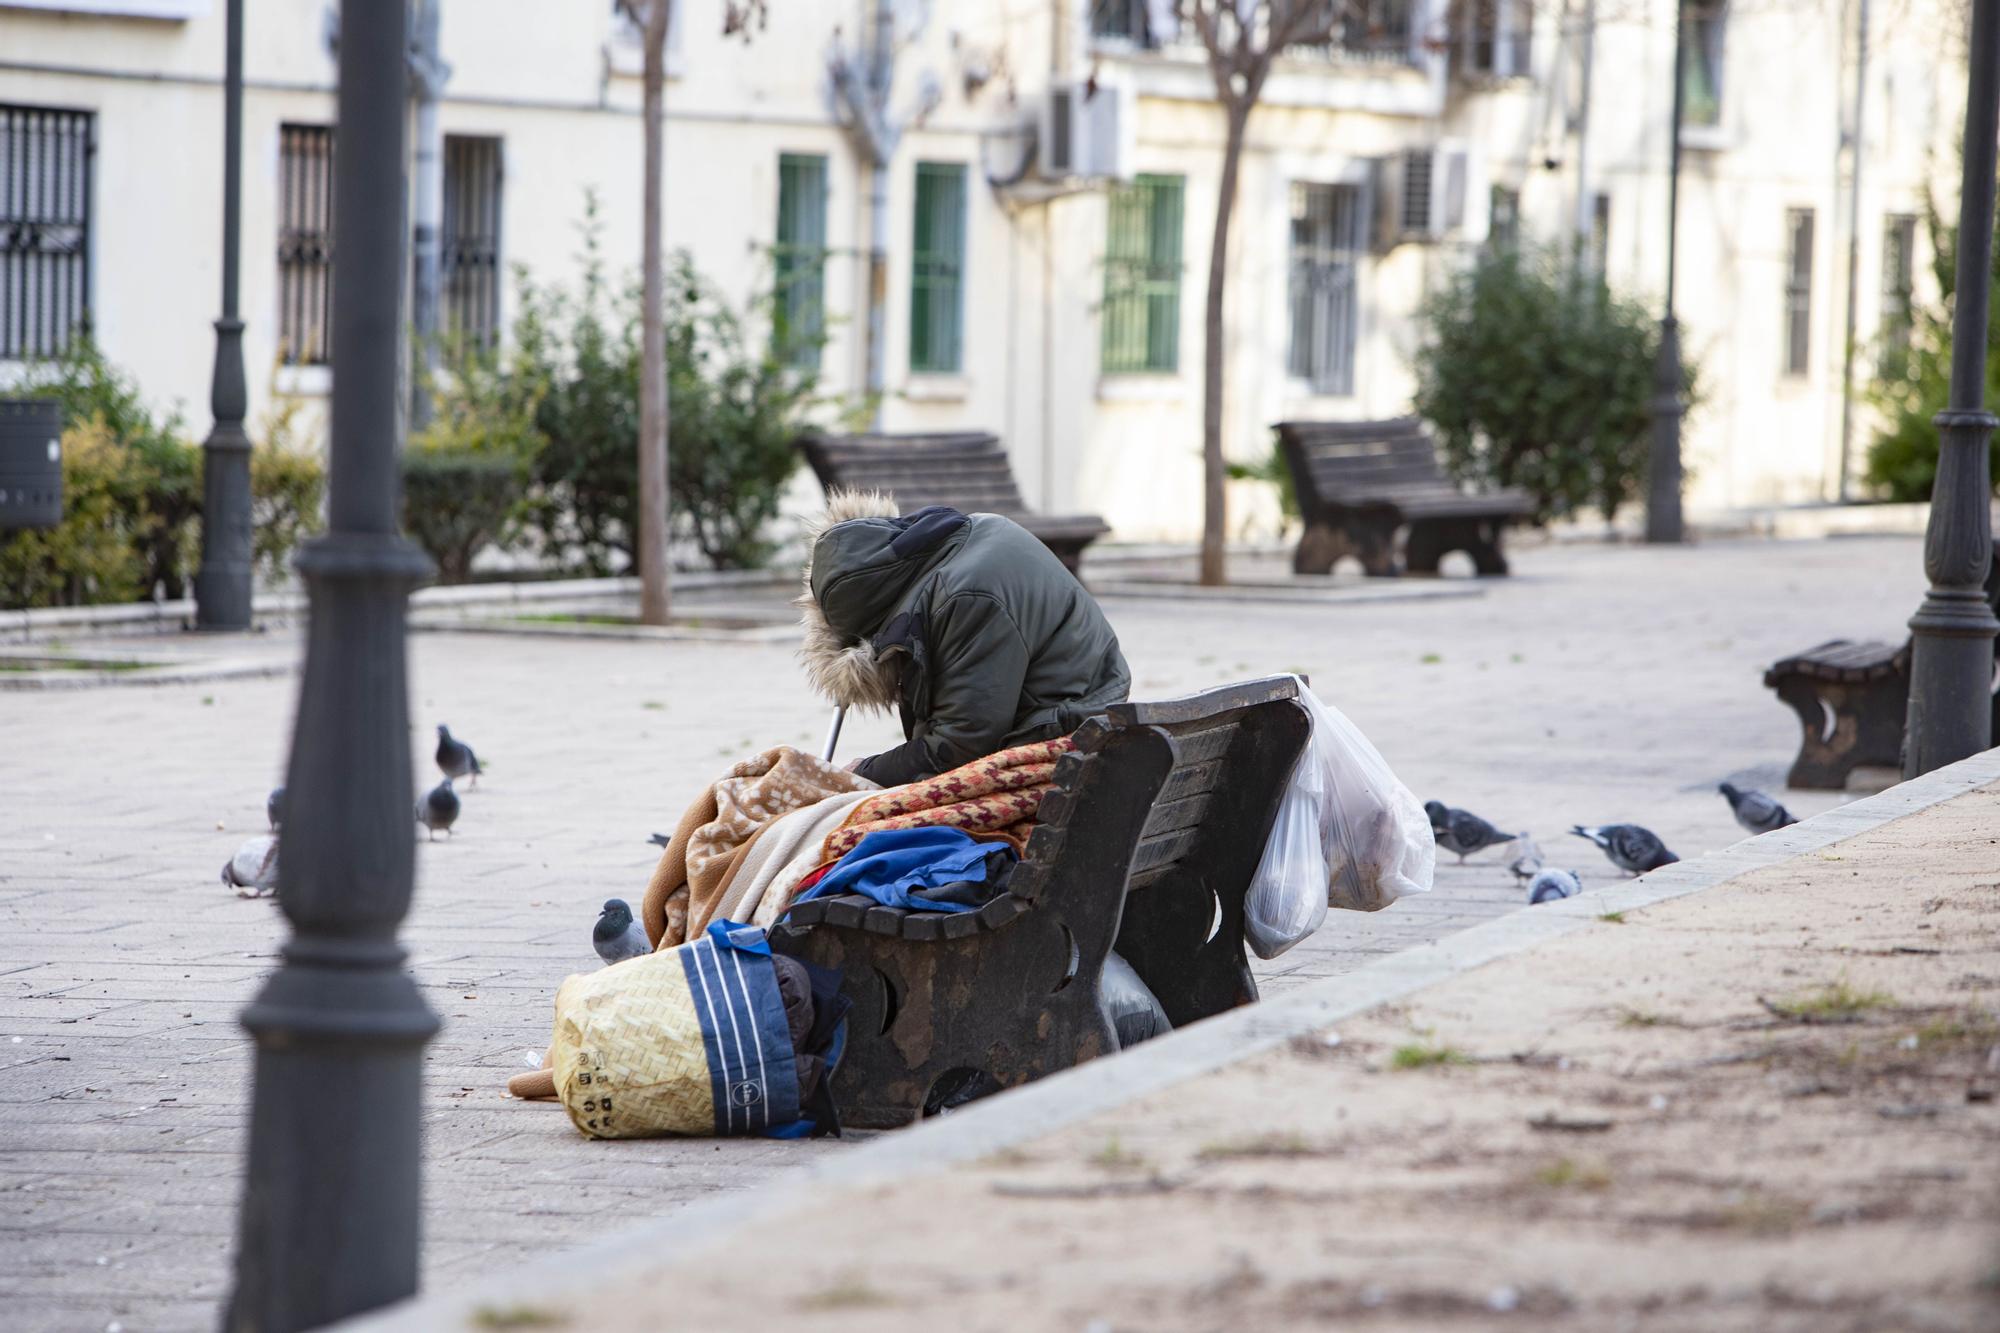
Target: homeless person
<point>965,623</point>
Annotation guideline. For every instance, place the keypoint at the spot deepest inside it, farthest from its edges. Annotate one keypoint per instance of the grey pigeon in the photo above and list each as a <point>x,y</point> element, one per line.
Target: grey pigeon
<point>1461,832</point>
<point>438,808</point>
<point>1549,885</point>
<point>617,937</point>
<point>274,808</point>
<point>1754,810</point>
<point>660,839</point>
<point>1632,849</point>
<point>455,757</point>
<point>253,871</point>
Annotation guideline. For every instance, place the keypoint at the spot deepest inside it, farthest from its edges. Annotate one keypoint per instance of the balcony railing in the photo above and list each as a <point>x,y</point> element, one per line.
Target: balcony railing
<point>1363,31</point>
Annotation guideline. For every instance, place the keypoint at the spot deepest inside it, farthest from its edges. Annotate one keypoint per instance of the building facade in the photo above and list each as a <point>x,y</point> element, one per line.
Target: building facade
<point>1050,199</point>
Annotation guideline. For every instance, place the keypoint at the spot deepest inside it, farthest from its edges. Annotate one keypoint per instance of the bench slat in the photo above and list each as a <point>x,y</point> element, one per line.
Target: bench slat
<point>1163,849</point>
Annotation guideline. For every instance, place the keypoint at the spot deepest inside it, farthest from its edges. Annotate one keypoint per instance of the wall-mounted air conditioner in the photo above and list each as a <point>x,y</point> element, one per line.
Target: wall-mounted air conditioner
<point>1086,133</point>
<point>1420,195</point>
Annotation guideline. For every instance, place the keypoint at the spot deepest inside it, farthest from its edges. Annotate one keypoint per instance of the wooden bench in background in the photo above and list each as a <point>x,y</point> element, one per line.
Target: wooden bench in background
<point>1147,844</point>
<point>1358,482</point>
<point>967,470</point>
<point>1853,699</point>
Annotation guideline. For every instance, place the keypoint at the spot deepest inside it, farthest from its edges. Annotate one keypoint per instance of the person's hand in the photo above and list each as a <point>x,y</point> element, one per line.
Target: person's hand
<point>852,766</point>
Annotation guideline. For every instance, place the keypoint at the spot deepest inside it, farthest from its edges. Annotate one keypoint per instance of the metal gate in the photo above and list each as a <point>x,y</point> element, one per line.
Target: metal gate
<point>45,204</point>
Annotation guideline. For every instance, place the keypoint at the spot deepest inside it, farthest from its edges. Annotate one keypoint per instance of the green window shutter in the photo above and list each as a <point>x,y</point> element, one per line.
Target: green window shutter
<point>937,268</point>
<point>799,258</point>
<point>1141,319</point>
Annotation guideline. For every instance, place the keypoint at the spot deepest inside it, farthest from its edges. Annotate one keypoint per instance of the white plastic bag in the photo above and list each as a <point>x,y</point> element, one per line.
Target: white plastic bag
<point>1373,845</point>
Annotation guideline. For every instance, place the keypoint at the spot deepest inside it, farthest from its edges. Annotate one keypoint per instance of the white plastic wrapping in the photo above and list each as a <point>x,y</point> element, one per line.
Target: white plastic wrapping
<point>1374,842</point>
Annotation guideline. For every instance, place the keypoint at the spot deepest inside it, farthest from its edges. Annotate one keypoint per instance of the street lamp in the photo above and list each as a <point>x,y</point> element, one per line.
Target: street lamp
<point>1951,669</point>
<point>1663,485</point>
<point>222,584</point>
<point>329,1220</point>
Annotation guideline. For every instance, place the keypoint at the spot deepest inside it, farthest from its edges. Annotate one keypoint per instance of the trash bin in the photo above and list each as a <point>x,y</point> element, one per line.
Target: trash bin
<point>30,463</point>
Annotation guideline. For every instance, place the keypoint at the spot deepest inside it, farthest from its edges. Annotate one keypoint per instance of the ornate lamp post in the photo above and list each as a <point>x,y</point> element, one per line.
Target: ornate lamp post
<point>1951,673</point>
<point>1663,485</point>
<point>329,1220</point>
<point>222,585</point>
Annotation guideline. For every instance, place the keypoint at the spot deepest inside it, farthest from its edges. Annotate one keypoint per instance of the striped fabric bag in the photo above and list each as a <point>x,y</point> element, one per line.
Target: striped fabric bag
<point>691,1040</point>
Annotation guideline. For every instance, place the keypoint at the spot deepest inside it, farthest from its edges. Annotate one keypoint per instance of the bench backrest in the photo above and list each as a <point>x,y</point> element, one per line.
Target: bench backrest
<point>1335,460</point>
<point>967,470</point>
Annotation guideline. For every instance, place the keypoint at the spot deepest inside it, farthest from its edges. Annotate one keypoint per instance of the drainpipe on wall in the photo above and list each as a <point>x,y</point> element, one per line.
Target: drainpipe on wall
<point>428,73</point>
<point>881,74</point>
<point>1856,143</point>
<point>1585,211</point>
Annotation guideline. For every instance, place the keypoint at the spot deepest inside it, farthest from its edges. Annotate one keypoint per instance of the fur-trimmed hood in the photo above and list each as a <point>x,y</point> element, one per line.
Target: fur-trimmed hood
<point>844,670</point>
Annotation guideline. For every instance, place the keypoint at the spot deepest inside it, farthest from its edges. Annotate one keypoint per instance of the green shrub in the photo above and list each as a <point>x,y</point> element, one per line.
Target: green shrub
<point>734,404</point>
<point>96,553</point>
<point>1913,385</point>
<point>287,489</point>
<point>1534,374</point>
<point>466,475</point>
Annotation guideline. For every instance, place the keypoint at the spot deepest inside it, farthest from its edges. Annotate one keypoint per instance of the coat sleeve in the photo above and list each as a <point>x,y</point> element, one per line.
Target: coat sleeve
<point>979,664</point>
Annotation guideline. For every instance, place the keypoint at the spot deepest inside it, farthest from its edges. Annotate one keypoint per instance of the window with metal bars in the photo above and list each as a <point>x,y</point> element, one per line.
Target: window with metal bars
<point>1491,38</point>
<point>305,244</point>
<point>469,260</point>
<point>1702,33</point>
<point>1328,237</point>
<point>937,268</point>
<point>1899,275</point>
<point>45,214</point>
<point>1503,227</point>
<point>798,320</point>
<point>1142,277</point>
<point>1798,289</point>
<point>1126,20</point>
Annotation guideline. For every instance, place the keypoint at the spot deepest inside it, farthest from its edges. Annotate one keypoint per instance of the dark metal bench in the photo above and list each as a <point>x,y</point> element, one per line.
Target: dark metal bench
<point>1146,844</point>
<point>967,470</point>
<point>1358,482</point>
<point>1853,698</point>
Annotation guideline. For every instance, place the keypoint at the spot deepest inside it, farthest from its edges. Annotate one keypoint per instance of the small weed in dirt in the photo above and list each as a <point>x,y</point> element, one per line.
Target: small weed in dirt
<point>1431,659</point>
<point>1969,1028</point>
<point>1836,1002</point>
<point>851,1293</point>
<point>1262,1145</point>
<point>1629,1017</point>
<point>1114,1156</point>
<point>1763,1215</point>
<point>1421,1055</point>
<point>1615,918</point>
<point>1567,1173</point>
<point>517,1316</point>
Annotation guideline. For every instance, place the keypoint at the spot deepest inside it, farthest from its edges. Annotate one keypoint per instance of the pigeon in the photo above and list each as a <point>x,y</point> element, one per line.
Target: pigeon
<point>253,871</point>
<point>1527,862</point>
<point>1461,832</point>
<point>1754,810</point>
<point>438,809</point>
<point>1632,849</point>
<point>660,839</point>
<point>455,757</point>
<point>617,937</point>
<point>1547,886</point>
<point>274,808</point>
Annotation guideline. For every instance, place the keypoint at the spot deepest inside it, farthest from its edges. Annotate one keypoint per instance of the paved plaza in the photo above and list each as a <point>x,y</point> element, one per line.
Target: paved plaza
<point>1598,684</point>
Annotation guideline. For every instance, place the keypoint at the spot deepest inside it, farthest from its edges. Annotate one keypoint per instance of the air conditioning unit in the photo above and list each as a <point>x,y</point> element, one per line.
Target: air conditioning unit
<point>1086,133</point>
<point>1420,195</point>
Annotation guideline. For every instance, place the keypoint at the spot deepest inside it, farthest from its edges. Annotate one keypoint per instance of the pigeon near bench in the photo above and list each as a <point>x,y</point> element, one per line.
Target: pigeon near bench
<point>1461,832</point>
<point>1632,849</point>
<point>1755,811</point>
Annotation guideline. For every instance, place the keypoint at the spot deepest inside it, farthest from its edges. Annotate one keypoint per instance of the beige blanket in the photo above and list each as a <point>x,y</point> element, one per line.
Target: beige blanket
<point>785,852</point>
<point>716,835</point>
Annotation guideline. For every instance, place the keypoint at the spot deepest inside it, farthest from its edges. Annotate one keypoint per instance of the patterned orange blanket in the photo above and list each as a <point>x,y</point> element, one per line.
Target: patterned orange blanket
<point>995,797</point>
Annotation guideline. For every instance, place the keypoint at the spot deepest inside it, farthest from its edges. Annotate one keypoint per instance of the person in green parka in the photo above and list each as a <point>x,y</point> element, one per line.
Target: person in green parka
<point>964,623</point>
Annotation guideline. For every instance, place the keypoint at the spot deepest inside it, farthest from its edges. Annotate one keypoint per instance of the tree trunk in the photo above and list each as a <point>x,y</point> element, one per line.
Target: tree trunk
<point>652,517</point>
<point>1214,518</point>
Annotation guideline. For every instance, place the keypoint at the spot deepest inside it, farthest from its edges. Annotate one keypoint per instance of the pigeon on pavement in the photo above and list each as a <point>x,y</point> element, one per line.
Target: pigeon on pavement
<point>438,808</point>
<point>617,937</point>
<point>274,808</point>
<point>1754,810</point>
<point>455,757</point>
<point>1632,849</point>
<point>1461,832</point>
<point>253,871</point>
<point>1546,886</point>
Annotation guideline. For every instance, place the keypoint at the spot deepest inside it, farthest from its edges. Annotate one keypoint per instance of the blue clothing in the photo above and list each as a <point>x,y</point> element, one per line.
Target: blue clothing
<point>895,866</point>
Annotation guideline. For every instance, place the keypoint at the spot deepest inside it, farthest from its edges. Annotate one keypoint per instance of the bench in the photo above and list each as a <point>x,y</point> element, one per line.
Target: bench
<point>1358,482</point>
<point>1853,699</point>
<point>1146,844</point>
<point>967,470</point>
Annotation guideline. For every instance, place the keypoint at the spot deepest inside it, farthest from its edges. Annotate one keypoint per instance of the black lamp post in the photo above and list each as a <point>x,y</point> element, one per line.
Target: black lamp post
<point>1663,482</point>
<point>1951,671</point>
<point>329,1219</point>
<point>222,584</point>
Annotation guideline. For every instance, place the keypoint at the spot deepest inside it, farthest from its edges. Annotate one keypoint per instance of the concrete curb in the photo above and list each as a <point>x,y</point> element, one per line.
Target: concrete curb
<point>1077,1094</point>
<point>170,673</point>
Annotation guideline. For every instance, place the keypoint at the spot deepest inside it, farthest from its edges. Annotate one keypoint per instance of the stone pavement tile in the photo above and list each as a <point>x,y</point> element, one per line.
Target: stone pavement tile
<point>1546,705</point>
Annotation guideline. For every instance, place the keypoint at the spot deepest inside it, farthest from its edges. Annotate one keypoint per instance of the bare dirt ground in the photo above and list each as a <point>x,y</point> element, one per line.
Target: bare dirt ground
<point>1767,1106</point>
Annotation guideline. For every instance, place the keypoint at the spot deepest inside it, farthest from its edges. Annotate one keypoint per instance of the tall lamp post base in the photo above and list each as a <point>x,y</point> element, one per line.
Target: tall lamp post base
<point>1663,483</point>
